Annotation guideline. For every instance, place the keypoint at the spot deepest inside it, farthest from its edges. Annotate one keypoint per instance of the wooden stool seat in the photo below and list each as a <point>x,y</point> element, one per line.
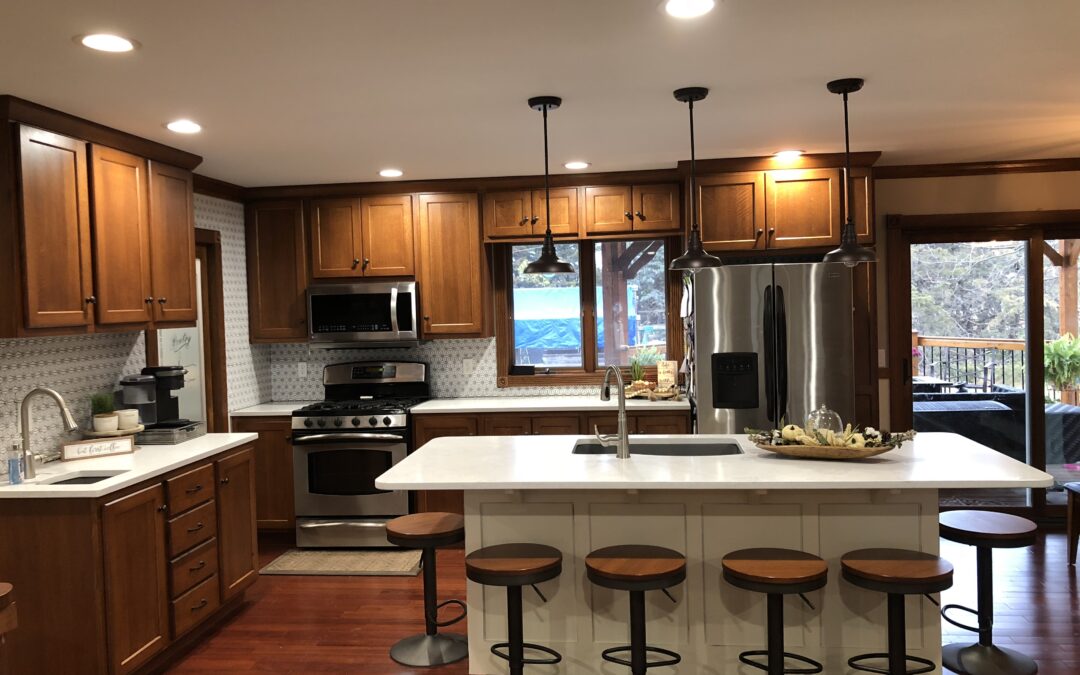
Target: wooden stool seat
<point>635,567</point>
<point>774,570</point>
<point>426,530</point>
<point>899,571</point>
<point>987,528</point>
<point>513,564</point>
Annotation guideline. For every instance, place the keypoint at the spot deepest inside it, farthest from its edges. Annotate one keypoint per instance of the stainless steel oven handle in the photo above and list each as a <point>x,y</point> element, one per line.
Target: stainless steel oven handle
<point>316,438</point>
<point>393,310</point>
<point>341,523</point>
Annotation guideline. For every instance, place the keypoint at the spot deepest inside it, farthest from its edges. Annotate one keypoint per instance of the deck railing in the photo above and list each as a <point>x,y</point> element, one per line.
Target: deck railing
<point>976,363</point>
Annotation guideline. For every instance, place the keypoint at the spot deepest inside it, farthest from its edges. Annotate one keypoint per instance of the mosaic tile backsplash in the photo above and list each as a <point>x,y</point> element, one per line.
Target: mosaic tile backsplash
<point>445,357</point>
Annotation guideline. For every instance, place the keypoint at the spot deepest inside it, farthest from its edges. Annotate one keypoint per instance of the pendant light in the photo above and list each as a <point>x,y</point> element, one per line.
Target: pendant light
<point>850,252</point>
<point>548,262</point>
<point>695,257</point>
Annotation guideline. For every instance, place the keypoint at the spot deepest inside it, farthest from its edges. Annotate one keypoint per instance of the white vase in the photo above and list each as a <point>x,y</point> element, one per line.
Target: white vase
<point>106,422</point>
<point>128,418</point>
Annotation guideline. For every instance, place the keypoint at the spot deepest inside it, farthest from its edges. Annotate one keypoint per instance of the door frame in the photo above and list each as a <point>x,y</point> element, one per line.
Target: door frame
<point>1033,227</point>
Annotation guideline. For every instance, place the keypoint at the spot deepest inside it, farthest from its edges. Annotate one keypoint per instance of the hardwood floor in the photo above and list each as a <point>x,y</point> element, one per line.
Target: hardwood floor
<point>347,624</point>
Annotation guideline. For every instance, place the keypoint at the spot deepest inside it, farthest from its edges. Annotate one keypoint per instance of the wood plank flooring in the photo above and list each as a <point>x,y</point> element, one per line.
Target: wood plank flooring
<point>347,624</point>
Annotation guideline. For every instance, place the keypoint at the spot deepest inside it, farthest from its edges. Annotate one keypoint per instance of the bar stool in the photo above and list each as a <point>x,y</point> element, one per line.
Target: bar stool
<point>637,568</point>
<point>1073,519</point>
<point>514,566</point>
<point>896,572</point>
<point>427,531</point>
<point>776,572</point>
<point>985,530</point>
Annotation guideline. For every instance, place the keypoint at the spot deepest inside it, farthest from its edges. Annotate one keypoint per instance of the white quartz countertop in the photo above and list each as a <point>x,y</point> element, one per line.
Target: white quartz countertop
<point>511,404</point>
<point>146,462</point>
<point>273,409</point>
<point>932,460</point>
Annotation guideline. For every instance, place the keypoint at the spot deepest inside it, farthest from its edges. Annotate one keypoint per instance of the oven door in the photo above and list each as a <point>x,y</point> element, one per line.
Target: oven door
<point>358,313</point>
<point>334,474</point>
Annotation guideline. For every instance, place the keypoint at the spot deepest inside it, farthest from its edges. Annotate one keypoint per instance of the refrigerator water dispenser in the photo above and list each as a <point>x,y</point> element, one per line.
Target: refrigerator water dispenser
<point>735,380</point>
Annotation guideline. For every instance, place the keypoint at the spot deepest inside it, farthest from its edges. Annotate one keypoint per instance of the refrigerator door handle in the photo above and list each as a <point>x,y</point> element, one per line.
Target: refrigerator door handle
<point>769,326</point>
<point>781,353</point>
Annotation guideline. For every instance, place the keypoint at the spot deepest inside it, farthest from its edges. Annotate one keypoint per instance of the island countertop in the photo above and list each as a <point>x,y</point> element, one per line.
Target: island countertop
<point>930,461</point>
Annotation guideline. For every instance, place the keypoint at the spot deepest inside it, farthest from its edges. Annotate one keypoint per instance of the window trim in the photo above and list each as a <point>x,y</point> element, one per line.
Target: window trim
<point>588,373</point>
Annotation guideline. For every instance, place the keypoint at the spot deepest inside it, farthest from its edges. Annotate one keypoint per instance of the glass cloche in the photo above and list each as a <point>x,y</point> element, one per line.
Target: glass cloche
<point>824,419</point>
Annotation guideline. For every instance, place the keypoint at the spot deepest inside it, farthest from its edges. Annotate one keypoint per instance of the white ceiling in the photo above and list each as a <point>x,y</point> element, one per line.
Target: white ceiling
<point>331,91</point>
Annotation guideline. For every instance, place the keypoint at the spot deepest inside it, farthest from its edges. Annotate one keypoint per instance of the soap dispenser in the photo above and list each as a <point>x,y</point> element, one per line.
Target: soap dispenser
<point>13,462</point>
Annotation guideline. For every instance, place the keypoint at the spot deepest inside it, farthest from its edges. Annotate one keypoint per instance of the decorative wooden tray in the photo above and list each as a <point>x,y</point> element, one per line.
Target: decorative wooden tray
<point>824,451</point>
<point>90,433</point>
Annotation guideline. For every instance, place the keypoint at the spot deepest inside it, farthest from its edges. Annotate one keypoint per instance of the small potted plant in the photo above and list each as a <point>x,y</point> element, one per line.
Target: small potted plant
<point>1062,363</point>
<point>103,408</point>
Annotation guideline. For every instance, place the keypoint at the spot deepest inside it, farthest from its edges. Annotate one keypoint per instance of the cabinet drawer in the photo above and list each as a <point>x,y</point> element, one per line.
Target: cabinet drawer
<point>195,606</point>
<point>192,528</point>
<point>190,489</point>
<point>193,567</point>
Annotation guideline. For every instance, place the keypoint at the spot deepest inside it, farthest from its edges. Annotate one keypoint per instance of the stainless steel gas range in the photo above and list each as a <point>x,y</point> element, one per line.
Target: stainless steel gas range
<point>342,444</point>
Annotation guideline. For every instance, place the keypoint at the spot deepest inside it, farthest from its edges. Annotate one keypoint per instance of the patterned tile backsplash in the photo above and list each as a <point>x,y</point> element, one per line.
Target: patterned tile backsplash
<point>445,357</point>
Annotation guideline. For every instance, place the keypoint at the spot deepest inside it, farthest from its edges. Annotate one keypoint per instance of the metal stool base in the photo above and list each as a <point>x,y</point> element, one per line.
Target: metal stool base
<point>925,665</point>
<point>555,657</point>
<point>814,666</point>
<point>425,651</point>
<point>672,659</point>
<point>978,659</point>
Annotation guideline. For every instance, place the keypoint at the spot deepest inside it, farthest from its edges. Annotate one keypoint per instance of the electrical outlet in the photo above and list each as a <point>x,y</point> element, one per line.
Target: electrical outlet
<point>468,366</point>
<point>301,369</point>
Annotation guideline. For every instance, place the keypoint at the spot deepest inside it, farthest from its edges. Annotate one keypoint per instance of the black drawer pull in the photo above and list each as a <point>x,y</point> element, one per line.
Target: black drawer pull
<point>198,526</point>
<point>202,564</point>
<point>201,604</point>
<point>193,490</point>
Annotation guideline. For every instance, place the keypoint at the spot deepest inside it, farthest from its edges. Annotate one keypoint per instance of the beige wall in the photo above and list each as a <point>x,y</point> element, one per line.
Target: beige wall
<point>962,194</point>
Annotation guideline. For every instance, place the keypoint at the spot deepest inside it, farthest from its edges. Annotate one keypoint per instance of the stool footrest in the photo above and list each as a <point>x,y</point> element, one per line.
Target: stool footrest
<point>555,657</point>
<point>814,666</point>
<point>947,608</point>
<point>672,659</point>
<point>924,665</point>
<point>449,622</point>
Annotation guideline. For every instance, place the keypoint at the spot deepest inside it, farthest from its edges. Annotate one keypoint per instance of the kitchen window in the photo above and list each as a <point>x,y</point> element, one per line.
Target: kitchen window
<point>565,328</point>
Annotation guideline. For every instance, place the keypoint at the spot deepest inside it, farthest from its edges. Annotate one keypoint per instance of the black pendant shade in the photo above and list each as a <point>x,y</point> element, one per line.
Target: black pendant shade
<point>548,262</point>
<point>695,257</point>
<point>850,252</point>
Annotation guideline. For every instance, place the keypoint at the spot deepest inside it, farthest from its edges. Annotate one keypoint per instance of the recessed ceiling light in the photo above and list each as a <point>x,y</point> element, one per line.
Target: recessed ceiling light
<point>184,127</point>
<point>577,165</point>
<point>391,173</point>
<point>107,42</point>
<point>688,9</point>
<point>788,155</point>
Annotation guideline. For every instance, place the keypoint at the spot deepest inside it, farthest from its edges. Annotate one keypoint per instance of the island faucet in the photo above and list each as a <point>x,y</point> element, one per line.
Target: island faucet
<point>620,440</point>
<point>24,420</point>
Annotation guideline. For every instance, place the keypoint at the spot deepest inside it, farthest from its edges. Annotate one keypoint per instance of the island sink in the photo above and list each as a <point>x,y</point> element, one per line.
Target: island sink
<point>80,477</point>
<point>659,446</point>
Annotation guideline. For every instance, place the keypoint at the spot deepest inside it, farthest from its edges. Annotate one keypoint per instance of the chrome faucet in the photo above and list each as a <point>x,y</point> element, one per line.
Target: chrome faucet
<point>24,420</point>
<point>620,440</point>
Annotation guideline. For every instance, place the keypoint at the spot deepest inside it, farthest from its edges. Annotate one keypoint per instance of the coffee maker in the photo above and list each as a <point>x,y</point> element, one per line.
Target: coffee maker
<point>152,394</point>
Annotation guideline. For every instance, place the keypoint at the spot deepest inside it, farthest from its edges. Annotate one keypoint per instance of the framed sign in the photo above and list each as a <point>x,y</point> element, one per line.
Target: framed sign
<point>665,374</point>
<point>99,447</point>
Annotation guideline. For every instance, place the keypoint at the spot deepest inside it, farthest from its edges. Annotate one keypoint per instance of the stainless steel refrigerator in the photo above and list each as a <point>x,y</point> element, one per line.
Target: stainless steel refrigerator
<point>771,343</point>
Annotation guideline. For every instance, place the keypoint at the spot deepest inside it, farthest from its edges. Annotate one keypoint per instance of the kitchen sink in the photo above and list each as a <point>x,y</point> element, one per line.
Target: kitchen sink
<point>80,477</point>
<point>658,446</point>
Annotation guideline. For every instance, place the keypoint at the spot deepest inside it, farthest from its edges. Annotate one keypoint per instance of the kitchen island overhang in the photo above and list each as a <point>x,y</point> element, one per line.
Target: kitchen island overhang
<point>533,489</point>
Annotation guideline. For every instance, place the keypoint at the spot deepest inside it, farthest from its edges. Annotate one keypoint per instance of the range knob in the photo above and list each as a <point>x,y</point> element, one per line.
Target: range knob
<point>309,422</point>
<point>386,421</point>
<point>356,421</point>
<point>321,423</point>
<point>372,421</point>
<point>337,421</point>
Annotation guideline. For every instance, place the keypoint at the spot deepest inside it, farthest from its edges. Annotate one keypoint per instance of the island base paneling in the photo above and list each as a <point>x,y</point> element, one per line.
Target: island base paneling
<point>710,622</point>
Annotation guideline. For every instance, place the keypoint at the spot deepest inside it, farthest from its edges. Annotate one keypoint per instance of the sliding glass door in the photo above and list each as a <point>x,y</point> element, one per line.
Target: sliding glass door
<point>1061,377</point>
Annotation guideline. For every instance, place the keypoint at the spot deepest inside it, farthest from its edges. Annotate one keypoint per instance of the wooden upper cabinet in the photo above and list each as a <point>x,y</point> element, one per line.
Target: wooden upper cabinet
<point>277,272</point>
<point>862,203</point>
<point>172,244</point>
<point>451,270</point>
<point>121,236</point>
<point>387,224</point>
<point>656,208</point>
<point>803,208</point>
<point>508,214</point>
<point>608,210</point>
<point>336,241</point>
<point>136,593</point>
<point>564,211</point>
<point>237,546</point>
<point>731,208</point>
<point>56,260</point>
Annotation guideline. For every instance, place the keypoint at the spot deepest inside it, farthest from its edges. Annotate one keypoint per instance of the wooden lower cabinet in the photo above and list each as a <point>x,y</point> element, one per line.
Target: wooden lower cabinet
<point>661,423</point>
<point>239,557</point>
<point>274,506</point>
<point>427,428</point>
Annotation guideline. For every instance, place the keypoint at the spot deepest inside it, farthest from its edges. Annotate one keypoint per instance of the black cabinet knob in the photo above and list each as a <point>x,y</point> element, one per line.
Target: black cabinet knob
<point>629,216</point>
<point>91,300</point>
<point>640,215</point>
<point>162,300</point>
<point>535,219</point>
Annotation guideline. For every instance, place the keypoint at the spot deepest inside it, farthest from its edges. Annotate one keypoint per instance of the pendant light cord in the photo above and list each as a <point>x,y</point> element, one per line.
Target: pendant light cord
<point>847,170</point>
<point>547,184</point>
<point>693,172</point>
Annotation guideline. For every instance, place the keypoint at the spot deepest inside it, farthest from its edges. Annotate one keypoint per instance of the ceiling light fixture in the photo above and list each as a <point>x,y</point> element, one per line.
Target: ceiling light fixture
<point>107,42</point>
<point>688,9</point>
<point>577,165</point>
<point>548,262</point>
<point>184,127</point>
<point>788,155</point>
<point>391,173</point>
<point>849,253</point>
<point>695,257</point>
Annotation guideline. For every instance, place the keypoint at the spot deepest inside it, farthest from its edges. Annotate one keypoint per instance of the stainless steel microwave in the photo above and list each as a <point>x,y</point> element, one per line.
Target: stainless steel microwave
<point>365,314</point>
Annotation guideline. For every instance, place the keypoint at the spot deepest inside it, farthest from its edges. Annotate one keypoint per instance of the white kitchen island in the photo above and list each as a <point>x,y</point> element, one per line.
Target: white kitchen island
<point>532,488</point>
